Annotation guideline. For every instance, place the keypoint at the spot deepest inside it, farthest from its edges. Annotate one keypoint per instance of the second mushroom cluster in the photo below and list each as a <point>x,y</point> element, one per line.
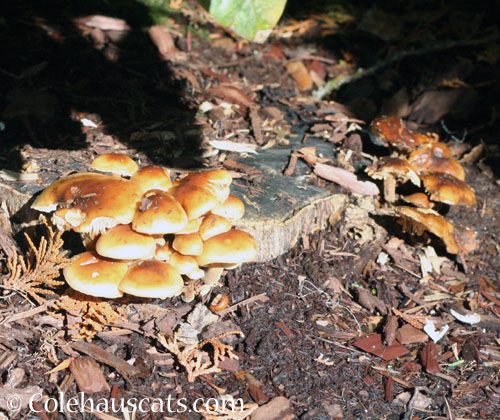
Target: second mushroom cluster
<point>422,159</point>
<point>144,232</point>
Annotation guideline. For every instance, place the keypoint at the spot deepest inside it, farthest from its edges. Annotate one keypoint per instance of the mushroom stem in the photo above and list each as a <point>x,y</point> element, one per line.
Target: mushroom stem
<point>390,188</point>
<point>212,275</point>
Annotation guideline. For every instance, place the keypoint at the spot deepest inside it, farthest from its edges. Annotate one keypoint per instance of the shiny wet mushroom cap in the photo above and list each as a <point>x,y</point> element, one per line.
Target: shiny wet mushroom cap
<point>123,243</point>
<point>436,158</point>
<point>390,131</point>
<point>115,163</point>
<point>105,200</point>
<point>152,279</point>
<point>449,190</point>
<point>93,275</point>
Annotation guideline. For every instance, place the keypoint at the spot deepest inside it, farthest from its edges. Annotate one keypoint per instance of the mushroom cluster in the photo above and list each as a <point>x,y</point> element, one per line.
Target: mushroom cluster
<point>146,235</point>
<point>424,161</point>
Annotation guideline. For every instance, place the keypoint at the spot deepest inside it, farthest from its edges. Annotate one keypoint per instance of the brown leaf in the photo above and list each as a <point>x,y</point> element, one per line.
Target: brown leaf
<point>232,94</point>
<point>278,408</point>
<point>429,356</point>
<point>88,375</point>
<point>373,344</point>
<point>163,41</point>
<point>300,74</point>
<point>345,179</point>
<point>256,389</point>
<point>408,335</point>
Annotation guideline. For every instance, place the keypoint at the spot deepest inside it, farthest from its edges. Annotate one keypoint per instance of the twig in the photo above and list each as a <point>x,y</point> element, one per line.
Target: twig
<point>29,313</point>
<point>336,84</point>
<point>262,297</point>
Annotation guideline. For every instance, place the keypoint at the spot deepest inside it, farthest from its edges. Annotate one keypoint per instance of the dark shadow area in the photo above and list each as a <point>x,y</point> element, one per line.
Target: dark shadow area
<point>451,90</point>
<point>56,71</point>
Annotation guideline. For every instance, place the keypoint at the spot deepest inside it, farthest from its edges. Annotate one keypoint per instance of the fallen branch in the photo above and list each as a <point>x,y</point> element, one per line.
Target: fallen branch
<point>337,83</point>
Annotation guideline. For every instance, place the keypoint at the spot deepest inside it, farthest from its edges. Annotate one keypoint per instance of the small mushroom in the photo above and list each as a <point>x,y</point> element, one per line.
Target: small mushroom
<point>94,275</point>
<point>233,247</point>
<point>449,190</point>
<point>417,220</point>
<point>159,213</point>
<point>123,243</point>
<point>389,169</point>
<point>189,244</point>
<point>152,178</point>
<point>418,199</point>
<point>152,279</point>
<point>186,265</point>
<point>115,163</point>
<point>436,158</point>
<point>232,209</point>
<point>390,131</point>
<point>213,225</point>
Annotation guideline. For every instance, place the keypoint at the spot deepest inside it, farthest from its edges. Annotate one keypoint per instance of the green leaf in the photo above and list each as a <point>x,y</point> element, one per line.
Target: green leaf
<point>251,19</point>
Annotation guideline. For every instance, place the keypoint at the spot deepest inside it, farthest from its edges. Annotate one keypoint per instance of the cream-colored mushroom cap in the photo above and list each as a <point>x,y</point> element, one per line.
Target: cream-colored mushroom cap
<point>152,178</point>
<point>192,226</point>
<point>216,181</point>
<point>164,252</point>
<point>232,209</point>
<point>115,163</point>
<point>159,213</point>
<point>231,247</point>
<point>213,225</point>
<point>153,279</point>
<point>189,244</point>
<point>123,243</point>
<point>94,275</point>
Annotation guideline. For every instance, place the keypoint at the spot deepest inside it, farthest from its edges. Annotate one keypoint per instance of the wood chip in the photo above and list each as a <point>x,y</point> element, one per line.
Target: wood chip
<point>346,179</point>
<point>300,74</point>
<point>88,375</point>
<point>373,344</point>
<point>122,367</point>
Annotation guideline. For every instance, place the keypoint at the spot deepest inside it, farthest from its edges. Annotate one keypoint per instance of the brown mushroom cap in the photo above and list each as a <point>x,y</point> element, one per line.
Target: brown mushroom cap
<point>436,158</point>
<point>123,243</point>
<point>232,209</point>
<point>213,225</point>
<point>232,247</point>
<point>392,166</point>
<point>447,189</point>
<point>164,252</point>
<point>94,275</point>
<point>392,131</point>
<point>192,226</point>
<point>159,213</point>
<point>115,163</point>
<point>105,200</point>
<point>153,279</point>
<point>188,244</point>
<point>186,265</point>
<point>152,178</point>
<point>196,201</point>
<point>418,199</point>
<point>215,181</point>
<point>417,220</point>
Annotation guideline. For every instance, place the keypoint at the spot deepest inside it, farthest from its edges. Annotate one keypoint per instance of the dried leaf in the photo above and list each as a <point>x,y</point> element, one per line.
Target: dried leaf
<point>373,344</point>
<point>300,74</point>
